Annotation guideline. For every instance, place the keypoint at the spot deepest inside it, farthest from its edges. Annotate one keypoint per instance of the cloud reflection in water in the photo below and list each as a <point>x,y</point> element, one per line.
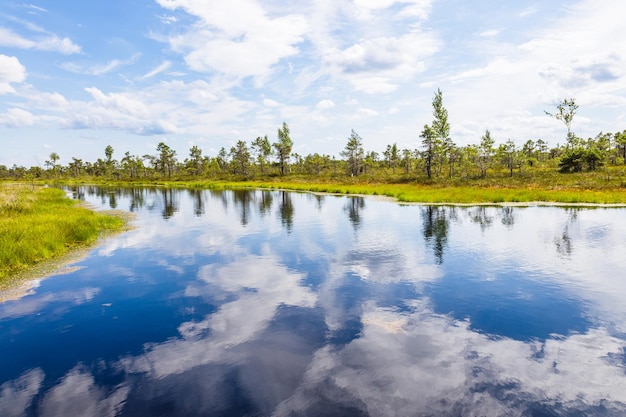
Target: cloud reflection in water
<point>355,307</point>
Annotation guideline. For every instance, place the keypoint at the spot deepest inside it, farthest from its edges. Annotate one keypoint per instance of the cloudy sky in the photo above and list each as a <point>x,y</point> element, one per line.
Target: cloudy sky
<point>77,76</point>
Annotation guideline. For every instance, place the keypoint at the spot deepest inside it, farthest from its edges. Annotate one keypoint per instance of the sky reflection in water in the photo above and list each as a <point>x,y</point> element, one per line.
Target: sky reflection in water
<point>273,303</point>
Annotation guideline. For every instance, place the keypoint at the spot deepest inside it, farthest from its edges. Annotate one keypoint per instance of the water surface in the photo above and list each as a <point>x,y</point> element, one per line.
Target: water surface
<point>270,303</point>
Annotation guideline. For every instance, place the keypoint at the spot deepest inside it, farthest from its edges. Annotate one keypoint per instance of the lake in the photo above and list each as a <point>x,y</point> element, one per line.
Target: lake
<point>272,303</point>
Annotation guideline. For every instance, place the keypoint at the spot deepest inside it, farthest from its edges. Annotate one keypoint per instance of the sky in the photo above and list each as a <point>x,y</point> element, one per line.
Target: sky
<point>77,76</point>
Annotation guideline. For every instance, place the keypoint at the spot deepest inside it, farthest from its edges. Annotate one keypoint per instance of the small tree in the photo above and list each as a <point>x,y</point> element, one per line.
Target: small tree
<point>283,148</point>
<point>240,157</point>
<point>52,163</point>
<point>354,153</point>
<point>566,110</point>
<point>444,146</point>
<point>195,160</point>
<point>429,145</point>
<point>166,159</point>
<point>508,154</point>
<point>620,141</point>
<point>263,149</point>
<point>485,153</point>
<point>391,156</point>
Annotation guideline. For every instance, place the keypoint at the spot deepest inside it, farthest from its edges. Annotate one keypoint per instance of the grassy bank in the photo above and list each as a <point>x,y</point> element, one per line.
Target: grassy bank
<point>39,224</point>
<point>588,188</point>
<point>438,194</point>
<point>417,193</point>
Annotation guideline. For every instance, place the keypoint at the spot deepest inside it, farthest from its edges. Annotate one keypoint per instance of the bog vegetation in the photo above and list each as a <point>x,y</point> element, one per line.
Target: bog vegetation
<point>436,170</point>
<point>38,224</point>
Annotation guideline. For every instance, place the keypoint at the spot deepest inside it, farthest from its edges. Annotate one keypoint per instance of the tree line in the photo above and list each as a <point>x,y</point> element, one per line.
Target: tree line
<point>436,157</point>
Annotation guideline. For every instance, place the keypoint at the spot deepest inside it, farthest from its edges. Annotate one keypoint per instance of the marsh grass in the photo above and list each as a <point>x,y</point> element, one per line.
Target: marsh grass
<point>452,194</point>
<point>38,224</point>
<point>531,185</point>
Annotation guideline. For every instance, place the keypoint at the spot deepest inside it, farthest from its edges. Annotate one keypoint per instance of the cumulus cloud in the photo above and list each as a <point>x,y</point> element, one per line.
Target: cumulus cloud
<point>78,394</point>
<point>119,102</point>
<point>17,395</point>
<point>378,64</point>
<point>15,117</point>
<point>575,57</point>
<point>237,38</point>
<point>453,368</point>
<point>11,71</point>
<point>51,43</point>
<point>236,323</point>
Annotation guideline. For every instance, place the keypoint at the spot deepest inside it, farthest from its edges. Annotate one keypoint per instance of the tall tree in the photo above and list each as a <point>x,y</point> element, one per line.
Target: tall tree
<point>441,128</point>
<point>195,161</point>
<point>354,153</point>
<point>283,148</point>
<point>109,162</point>
<point>263,149</point>
<point>240,157</point>
<point>429,145</point>
<point>620,140</point>
<point>392,156</point>
<point>108,153</point>
<point>509,155</point>
<point>52,163</point>
<point>485,153</point>
<point>565,112</point>
<point>166,159</point>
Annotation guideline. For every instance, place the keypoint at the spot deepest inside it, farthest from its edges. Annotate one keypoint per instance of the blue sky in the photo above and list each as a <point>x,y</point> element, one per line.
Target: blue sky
<point>76,76</point>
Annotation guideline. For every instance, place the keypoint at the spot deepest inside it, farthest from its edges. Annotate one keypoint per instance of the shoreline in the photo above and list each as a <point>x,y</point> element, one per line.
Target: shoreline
<point>378,197</point>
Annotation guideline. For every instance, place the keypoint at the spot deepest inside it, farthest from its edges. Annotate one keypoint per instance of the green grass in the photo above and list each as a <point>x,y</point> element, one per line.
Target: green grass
<point>40,224</point>
<point>531,185</point>
<point>452,194</point>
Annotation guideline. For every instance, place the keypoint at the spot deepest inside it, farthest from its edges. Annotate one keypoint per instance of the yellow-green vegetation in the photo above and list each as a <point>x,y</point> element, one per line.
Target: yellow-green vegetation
<point>450,194</point>
<point>534,186</point>
<point>38,224</point>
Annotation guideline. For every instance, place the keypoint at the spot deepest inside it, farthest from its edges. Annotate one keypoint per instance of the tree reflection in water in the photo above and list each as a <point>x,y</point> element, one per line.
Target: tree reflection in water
<point>286,210</point>
<point>435,229</point>
<point>353,206</point>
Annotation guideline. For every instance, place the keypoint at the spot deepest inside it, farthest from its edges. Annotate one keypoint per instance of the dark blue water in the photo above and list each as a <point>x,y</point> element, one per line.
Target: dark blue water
<point>268,303</point>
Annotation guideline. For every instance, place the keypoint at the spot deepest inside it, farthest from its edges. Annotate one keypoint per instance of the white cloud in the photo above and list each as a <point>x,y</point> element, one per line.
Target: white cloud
<point>15,117</point>
<point>236,322</point>
<point>119,102</point>
<point>366,9</point>
<point>11,71</point>
<point>528,12</point>
<point>397,355</point>
<point>163,67</point>
<point>576,56</point>
<point>377,65</point>
<point>236,38</point>
<point>490,33</point>
<point>367,112</point>
<point>17,395</point>
<point>35,8</point>
<point>325,104</point>
<point>99,69</point>
<point>168,20</point>
<point>78,394</point>
<point>51,43</point>
<point>268,102</point>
